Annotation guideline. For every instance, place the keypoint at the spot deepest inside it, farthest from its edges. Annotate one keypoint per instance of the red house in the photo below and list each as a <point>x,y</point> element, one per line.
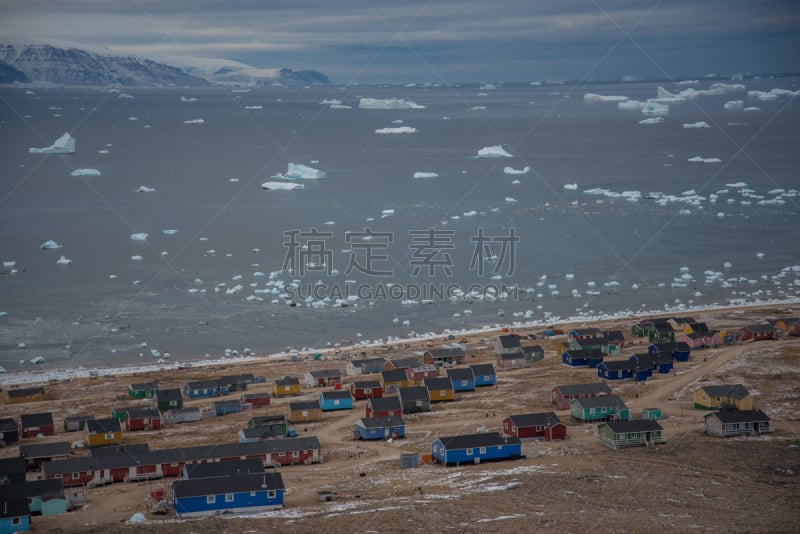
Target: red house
<point>756,332</point>
<point>563,395</point>
<point>33,424</point>
<point>545,426</point>
<point>256,400</point>
<point>366,389</point>
<point>384,407</point>
<point>143,419</point>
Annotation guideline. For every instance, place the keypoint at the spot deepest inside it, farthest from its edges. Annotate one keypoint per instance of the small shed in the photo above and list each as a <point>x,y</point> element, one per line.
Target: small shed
<point>651,413</point>
<point>365,389</point>
<point>440,389</point>
<point>169,399</point>
<point>338,399</point>
<point>226,407</point>
<point>33,424</point>
<point>414,399</point>
<point>484,374</point>
<point>76,423</point>
<point>462,378</point>
<point>255,400</point>
<point>374,428</point>
<point>304,412</point>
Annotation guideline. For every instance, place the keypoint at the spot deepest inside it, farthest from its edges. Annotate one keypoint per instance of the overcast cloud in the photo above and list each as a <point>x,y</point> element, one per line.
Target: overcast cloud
<point>447,41</point>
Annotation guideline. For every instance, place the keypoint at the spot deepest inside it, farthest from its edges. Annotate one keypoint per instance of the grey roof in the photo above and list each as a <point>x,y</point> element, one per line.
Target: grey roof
<point>472,441</point>
<point>740,416</point>
<point>460,373</point>
<point>337,394</point>
<point>619,365</point>
<point>226,402</point>
<point>509,341</point>
<point>594,388</point>
<point>44,450</point>
<point>259,432</point>
<point>413,393</point>
<point>267,419</point>
<point>14,507</point>
<point>760,328</point>
<point>202,384</point>
<point>733,391</point>
<point>46,490</point>
<point>586,331</point>
<point>199,487</point>
<point>143,412</point>
<point>248,396</point>
<point>450,352</point>
<point>533,349</point>
<point>633,425</point>
<point>384,404</point>
<point>143,386</point>
<point>163,395</point>
<point>395,375</point>
<point>614,335</point>
<point>380,422</point>
<point>179,411</point>
<point>25,392</point>
<point>547,419</point>
<point>407,362</point>
<point>598,402</point>
<point>228,380</point>
<point>482,369</point>
<point>7,424</point>
<point>28,420</point>
<point>303,405</point>
<point>15,464</point>
<point>79,418</point>
<point>439,382</point>
<point>585,353</point>
<point>287,381</point>
<point>368,362</point>
<point>224,469</point>
<point>511,355</point>
<point>325,373</point>
<point>366,384</point>
<point>113,450</point>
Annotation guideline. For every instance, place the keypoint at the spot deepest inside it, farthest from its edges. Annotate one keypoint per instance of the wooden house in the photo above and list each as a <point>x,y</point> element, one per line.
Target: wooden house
<point>304,412</point>
<point>533,353</point>
<point>232,383</point>
<point>76,423</point>
<point>662,334</point>
<point>507,344</point>
<point>384,407</point>
<point>414,399</point>
<point>546,426</point>
<point>651,413</point>
<point>616,369</point>
<point>226,407</point>
<point>729,396</point>
<point>421,372</point>
<point>475,448</point>
<point>593,343</point>
<point>790,325</point>
<point>366,389</point>
<point>446,356</point>
<point>393,380</point>
<point>585,333</point>
<point>462,378</point>
<point>679,351</point>
<point>373,428</point>
<point>440,389</point>
<point>597,409</point>
<point>561,396</point>
<point>15,514</point>
<point>338,399</point>
<point>508,361</point>
<point>642,328</point>
<point>736,422</point>
<point>406,362</point>
<point>121,412</point>
<point>636,432</point>
<point>613,342</point>
<point>201,389</point>
<point>756,332</point>
<point>9,431</point>
<point>169,399</point>
<point>323,377</point>
<point>182,415</point>
<point>12,470</point>
<point>45,497</point>
<point>582,358</point>
<point>484,374</point>
<point>255,400</point>
<point>276,423</point>
<point>694,340</point>
<point>103,432</point>
<point>142,419</point>
<point>659,362</point>
<point>20,395</point>
<point>142,390</point>
<point>228,494</point>
<point>37,453</point>
<point>288,385</point>
<point>34,424</point>
<point>364,366</point>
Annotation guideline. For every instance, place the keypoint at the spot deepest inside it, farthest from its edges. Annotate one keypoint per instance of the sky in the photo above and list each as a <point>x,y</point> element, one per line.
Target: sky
<point>436,41</point>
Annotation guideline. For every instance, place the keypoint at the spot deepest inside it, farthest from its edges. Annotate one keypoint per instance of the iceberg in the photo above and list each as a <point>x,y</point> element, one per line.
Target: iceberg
<point>734,105</point>
<point>698,124</point>
<point>419,175</point>
<point>170,231</point>
<point>653,120</point>
<point>571,187</point>
<point>254,107</point>
<point>654,108</point>
<point>63,145</point>
<point>145,189</point>
<point>63,260</point>
<point>297,171</point>
<point>85,172</point>
<point>136,258</point>
<point>512,170</point>
<point>388,103</point>
<point>194,121</point>
<point>591,97</point>
<point>281,186</point>
<point>772,94</point>
<point>631,105</point>
<point>188,99</point>
<point>493,152</point>
<point>49,245</point>
<point>397,130</point>
<point>139,237</point>
<point>700,159</point>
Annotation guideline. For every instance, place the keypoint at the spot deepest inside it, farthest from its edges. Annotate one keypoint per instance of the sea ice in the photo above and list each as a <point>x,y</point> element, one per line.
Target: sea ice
<point>700,159</point>
<point>63,260</point>
<point>50,245</point>
<point>591,97</point>
<point>512,170</point>
<point>254,107</point>
<point>734,105</point>
<point>653,120</point>
<point>85,172</point>
<point>426,175</point>
<point>139,237</point>
<point>387,103</point>
<point>298,171</point>
<point>63,145</point>
<point>772,94</point>
<point>493,152</point>
<point>631,105</point>
<point>145,189</point>
<point>281,186</point>
<point>188,99</point>
<point>396,130</point>
<point>194,121</point>
<point>511,200</point>
<point>136,258</point>
<point>653,108</point>
<point>571,187</point>
<point>170,231</point>
<point>698,124</point>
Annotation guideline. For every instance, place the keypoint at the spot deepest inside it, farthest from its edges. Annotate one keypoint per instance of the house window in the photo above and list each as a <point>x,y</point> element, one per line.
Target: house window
<point>252,493</point>
<point>76,475</point>
<point>110,435</point>
<point>270,494</point>
<point>483,450</point>
<point>146,421</point>
<point>211,499</point>
<point>442,393</point>
<point>173,403</point>
<point>295,454</point>
<point>336,402</point>
<point>367,391</point>
<point>469,452</point>
<point>229,497</point>
<point>16,520</point>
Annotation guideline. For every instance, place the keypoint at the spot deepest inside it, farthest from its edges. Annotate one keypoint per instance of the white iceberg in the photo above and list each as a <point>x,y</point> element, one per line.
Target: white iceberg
<point>139,237</point>
<point>698,124</point>
<point>700,159</point>
<point>85,172</point>
<point>493,152</point>
<point>254,107</point>
<point>419,175</point>
<point>63,260</point>
<point>281,186</point>
<point>63,145</point>
<point>145,189</point>
<point>631,105</point>
<point>772,94</point>
<point>388,103</point>
<point>396,130</point>
<point>571,187</point>
<point>136,258</point>
<point>194,121</point>
<point>49,245</point>
<point>591,97</point>
<point>297,171</point>
<point>654,108</point>
<point>734,105</point>
<point>512,170</point>
<point>652,120</point>
<point>188,99</point>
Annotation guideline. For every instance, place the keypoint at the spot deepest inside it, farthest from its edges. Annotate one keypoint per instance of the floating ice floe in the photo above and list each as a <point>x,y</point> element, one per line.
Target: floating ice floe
<point>188,99</point>
<point>387,213</point>
<point>85,172</point>
<point>631,105</point>
<point>37,360</point>
<point>652,120</point>
<point>493,152</point>
<point>136,258</point>
<point>139,237</point>
<point>102,151</point>
<point>388,103</point>
<point>772,94</point>
<point>63,260</point>
<point>298,171</point>
<point>700,159</point>
<point>591,97</point>
<point>420,174</point>
<point>698,124</point>
<point>194,121</point>
<point>281,186</point>
<point>145,189</point>
<point>734,105</point>
<point>512,170</point>
<point>124,96</point>
<point>654,108</point>
<point>254,107</point>
<point>396,130</point>
<point>170,231</point>
<point>511,200</point>
<point>750,109</point>
<point>571,187</point>
<point>63,145</point>
<point>49,245</point>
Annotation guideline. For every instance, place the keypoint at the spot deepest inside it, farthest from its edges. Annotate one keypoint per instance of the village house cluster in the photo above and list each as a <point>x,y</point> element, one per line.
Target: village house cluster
<point>49,478</point>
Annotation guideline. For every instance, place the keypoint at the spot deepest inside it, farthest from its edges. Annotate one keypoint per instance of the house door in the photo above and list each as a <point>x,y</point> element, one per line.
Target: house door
<point>315,455</point>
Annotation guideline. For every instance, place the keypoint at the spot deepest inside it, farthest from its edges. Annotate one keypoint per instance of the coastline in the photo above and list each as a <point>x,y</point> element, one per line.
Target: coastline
<point>409,343</point>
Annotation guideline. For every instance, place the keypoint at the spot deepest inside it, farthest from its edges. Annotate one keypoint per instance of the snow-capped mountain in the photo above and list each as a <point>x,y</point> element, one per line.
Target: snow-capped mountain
<point>76,66</point>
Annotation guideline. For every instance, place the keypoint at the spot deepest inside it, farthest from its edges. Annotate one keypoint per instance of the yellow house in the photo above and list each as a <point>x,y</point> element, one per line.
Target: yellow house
<point>730,395</point>
<point>440,389</point>
<point>395,379</point>
<point>100,432</point>
<point>34,394</point>
<point>304,412</point>
<point>288,385</point>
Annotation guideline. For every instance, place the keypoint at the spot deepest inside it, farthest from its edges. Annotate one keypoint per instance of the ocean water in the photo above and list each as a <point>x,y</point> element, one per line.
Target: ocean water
<point>643,229</point>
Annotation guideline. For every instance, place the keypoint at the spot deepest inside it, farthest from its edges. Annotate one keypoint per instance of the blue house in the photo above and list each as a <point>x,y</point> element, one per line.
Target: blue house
<point>475,448</point>
<point>582,358</point>
<point>660,362</point>
<point>616,369</point>
<point>463,378</point>
<point>225,407</point>
<point>228,494</point>
<point>368,428</point>
<point>338,399</point>
<point>645,365</point>
<point>680,351</point>
<point>201,389</point>
<point>15,515</point>
<point>484,374</point>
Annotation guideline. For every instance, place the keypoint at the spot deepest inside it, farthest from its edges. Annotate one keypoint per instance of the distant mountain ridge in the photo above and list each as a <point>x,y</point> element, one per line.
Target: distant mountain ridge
<point>75,66</point>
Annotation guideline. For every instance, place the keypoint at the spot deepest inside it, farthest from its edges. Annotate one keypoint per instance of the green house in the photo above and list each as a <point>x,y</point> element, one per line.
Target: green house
<point>662,334</point>
<point>597,409</point>
<point>651,413</point>
<point>142,390</point>
<point>534,353</point>
<point>639,432</point>
<point>169,399</point>
<point>120,414</point>
<point>276,424</point>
